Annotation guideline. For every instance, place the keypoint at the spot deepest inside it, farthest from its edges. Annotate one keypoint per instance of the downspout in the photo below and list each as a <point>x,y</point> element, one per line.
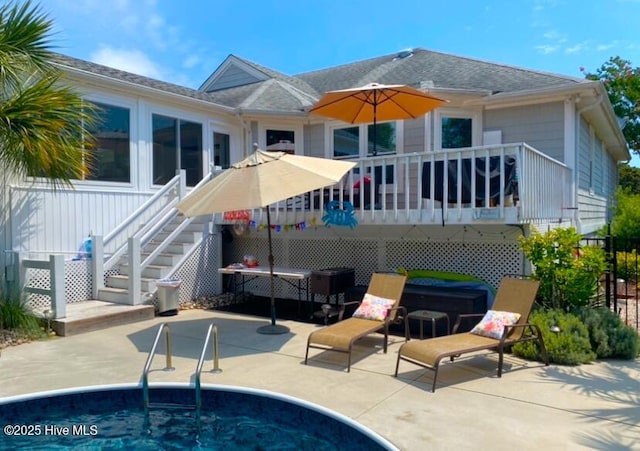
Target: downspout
<point>574,207</point>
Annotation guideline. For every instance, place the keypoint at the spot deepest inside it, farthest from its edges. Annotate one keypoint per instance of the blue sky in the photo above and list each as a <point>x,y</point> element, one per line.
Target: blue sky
<point>184,41</point>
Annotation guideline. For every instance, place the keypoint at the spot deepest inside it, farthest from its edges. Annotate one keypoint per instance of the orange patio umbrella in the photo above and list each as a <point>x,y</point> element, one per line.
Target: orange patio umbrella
<point>375,102</point>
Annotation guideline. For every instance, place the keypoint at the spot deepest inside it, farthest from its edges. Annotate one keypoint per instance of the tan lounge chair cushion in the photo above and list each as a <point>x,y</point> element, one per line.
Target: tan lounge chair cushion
<point>431,351</point>
<point>340,335</point>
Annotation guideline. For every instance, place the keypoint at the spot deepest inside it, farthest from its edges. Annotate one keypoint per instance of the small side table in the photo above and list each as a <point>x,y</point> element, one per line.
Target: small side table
<point>424,315</point>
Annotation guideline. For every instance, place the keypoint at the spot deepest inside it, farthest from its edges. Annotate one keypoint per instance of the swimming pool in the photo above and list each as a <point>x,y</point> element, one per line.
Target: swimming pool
<point>233,418</point>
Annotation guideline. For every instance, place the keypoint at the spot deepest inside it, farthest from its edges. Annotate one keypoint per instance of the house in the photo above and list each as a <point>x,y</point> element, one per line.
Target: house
<point>513,149</point>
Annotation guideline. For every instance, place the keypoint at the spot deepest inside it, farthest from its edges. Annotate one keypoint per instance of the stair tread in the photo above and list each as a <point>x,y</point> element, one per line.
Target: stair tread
<point>124,276</point>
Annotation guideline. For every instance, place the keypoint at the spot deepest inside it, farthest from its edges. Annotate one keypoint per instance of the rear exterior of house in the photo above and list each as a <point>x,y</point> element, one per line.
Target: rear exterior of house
<point>511,151</point>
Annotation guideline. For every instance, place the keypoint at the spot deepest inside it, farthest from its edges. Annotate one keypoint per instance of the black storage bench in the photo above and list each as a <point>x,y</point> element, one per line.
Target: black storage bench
<point>452,301</point>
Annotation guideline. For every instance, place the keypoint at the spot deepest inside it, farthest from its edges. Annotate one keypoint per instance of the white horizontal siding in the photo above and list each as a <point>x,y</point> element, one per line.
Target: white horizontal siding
<point>414,136</point>
<point>584,156</point>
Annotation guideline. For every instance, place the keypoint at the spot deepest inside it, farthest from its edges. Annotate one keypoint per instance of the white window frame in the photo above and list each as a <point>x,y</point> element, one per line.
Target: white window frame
<point>476,125</point>
<point>363,141</point>
<point>131,105</point>
<point>179,114</point>
<point>297,130</point>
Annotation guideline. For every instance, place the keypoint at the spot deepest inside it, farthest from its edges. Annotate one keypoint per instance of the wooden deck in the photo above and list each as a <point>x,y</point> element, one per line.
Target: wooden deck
<point>93,315</point>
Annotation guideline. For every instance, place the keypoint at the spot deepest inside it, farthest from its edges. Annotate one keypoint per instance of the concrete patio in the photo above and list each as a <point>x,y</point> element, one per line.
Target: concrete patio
<point>531,407</point>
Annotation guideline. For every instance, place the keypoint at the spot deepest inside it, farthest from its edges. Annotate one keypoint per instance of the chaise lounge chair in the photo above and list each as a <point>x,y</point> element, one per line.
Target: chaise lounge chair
<point>378,309</point>
<point>513,296</point>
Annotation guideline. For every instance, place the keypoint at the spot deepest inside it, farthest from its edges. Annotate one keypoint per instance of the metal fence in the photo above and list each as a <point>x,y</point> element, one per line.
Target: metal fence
<point>621,283</point>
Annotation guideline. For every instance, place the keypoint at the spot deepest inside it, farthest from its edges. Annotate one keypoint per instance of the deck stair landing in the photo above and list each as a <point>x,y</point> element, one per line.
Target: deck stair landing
<point>93,315</point>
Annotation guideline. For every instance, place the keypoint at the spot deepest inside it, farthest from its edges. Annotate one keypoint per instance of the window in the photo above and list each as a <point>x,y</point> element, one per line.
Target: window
<point>379,141</point>
<point>112,154</point>
<point>347,143</point>
<point>281,141</point>
<point>176,144</point>
<point>221,154</point>
<point>457,132</point>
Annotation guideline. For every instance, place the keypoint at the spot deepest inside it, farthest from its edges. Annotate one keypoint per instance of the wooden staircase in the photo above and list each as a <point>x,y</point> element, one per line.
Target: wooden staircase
<point>116,288</point>
<point>113,307</point>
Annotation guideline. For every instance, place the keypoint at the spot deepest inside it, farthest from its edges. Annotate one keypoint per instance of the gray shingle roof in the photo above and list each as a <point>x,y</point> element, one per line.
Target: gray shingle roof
<point>443,70</point>
<point>282,93</point>
<point>128,77</point>
<point>420,66</point>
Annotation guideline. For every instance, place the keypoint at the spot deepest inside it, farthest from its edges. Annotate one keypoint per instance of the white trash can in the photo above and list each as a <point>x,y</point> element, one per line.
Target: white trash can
<point>168,296</point>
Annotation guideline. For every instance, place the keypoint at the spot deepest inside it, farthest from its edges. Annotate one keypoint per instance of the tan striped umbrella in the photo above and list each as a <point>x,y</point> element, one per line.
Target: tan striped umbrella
<point>258,181</point>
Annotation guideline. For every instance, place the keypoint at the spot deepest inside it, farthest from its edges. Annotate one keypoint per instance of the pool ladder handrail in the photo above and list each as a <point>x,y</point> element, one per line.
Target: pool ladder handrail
<point>147,366</point>
<point>216,368</point>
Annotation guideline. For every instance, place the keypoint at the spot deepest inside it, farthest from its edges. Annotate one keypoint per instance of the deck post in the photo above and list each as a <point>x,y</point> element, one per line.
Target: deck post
<point>58,301</point>
<point>97,265</point>
<point>135,283</point>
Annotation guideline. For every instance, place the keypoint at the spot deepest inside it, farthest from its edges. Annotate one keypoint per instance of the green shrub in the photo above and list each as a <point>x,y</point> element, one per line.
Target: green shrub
<point>568,274</point>
<point>609,336</point>
<point>15,314</point>
<point>626,221</point>
<point>569,346</point>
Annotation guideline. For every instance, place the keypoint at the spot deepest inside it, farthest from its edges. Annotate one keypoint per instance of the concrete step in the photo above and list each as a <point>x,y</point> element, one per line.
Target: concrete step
<point>122,281</point>
<point>93,315</point>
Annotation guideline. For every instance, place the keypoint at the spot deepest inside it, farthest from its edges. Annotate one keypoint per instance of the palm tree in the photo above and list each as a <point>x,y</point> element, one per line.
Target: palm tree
<point>42,122</point>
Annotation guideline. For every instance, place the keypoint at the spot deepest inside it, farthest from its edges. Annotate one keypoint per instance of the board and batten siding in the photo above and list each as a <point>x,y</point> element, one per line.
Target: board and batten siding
<point>46,221</point>
<point>540,126</point>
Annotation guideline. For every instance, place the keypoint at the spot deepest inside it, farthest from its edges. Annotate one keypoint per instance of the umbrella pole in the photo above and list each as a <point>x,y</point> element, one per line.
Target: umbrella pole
<point>273,328</point>
<point>375,113</point>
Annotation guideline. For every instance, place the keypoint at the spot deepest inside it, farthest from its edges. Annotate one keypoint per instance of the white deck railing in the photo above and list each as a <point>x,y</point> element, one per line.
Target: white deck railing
<point>523,185</point>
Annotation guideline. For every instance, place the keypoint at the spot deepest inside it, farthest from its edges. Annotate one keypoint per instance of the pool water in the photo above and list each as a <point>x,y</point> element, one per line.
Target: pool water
<point>113,417</point>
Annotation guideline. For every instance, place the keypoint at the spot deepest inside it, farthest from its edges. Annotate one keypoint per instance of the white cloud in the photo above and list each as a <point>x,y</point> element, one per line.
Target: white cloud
<point>191,61</point>
<point>603,47</point>
<point>133,61</point>
<point>547,49</point>
<point>553,35</point>
<point>576,48</point>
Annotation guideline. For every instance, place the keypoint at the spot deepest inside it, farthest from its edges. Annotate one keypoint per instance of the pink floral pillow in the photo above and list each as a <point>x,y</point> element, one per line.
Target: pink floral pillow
<point>373,307</point>
<point>492,325</point>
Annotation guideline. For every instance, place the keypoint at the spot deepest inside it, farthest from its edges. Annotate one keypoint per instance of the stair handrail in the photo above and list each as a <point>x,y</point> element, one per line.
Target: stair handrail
<point>147,366</point>
<point>168,214</point>
<point>216,368</point>
<point>136,243</point>
<point>161,247</point>
<point>173,183</point>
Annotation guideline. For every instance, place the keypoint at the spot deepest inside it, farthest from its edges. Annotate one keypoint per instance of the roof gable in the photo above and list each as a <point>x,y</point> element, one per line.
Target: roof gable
<point>233,72</point>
